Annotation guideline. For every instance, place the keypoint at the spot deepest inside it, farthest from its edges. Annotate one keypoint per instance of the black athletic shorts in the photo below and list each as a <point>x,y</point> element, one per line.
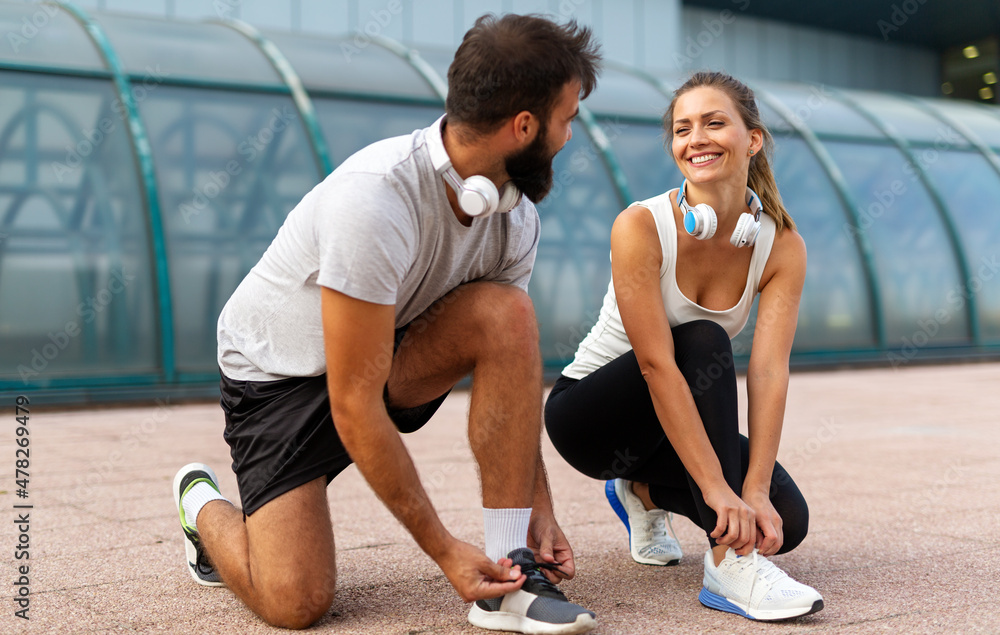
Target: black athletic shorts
<point>281,433</point>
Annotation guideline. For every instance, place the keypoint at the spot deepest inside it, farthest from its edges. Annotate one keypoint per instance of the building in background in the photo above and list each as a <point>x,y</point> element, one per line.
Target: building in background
<point>147,159</point>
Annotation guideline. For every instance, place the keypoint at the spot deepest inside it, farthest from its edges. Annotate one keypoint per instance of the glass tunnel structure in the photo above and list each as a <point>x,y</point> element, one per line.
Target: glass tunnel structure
<point>146,164</point>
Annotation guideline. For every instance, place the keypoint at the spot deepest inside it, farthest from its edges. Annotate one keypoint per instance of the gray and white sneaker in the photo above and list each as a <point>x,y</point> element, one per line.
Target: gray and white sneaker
<point>752,586</point>
<point>651,535</point>
<point>198,564</point>
<point>538,607</point>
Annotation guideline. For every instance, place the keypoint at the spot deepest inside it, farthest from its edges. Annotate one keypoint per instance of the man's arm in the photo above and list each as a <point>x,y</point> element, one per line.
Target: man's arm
<point>358,339</point>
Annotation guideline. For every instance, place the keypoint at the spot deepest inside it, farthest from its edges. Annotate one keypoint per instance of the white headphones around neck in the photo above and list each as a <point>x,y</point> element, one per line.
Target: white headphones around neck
<point>700,221</point>
<point>477,195</point>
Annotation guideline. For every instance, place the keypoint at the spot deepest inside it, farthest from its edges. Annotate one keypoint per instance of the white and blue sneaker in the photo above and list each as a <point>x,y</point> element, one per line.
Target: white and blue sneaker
<point>538,607</point>
<point>651,535</point>
<point>753,587</point>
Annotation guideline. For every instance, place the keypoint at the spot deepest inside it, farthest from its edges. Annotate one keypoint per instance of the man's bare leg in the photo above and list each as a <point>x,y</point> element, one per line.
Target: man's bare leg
<point>275,561</point>
<point>488,329</point>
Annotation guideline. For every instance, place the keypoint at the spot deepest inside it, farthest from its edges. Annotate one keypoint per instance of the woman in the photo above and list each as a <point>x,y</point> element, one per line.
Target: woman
<point>650,403</point>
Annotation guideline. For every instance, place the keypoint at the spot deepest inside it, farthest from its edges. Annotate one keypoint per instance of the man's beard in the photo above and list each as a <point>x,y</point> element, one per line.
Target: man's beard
<point>531,169</point>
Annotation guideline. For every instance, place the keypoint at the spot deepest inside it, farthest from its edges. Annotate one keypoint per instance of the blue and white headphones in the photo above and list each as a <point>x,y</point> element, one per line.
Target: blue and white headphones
<point>700,221</point>
<point>477,195</point>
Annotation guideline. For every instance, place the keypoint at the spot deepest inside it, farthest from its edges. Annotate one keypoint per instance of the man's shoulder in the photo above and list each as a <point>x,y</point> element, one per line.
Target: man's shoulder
<point>387,157</point>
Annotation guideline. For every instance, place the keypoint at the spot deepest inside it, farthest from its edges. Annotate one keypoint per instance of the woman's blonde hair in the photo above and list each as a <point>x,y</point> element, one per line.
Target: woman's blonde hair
<point>760,178</point>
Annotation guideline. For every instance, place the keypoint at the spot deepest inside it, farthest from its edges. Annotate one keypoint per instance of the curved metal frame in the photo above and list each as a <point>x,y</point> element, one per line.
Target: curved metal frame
<point>412,57</point>
<point>961,128</point>
<point>144,158</point>
<point>603,145</point>
<point>956,243</point>
<point>291,78</point>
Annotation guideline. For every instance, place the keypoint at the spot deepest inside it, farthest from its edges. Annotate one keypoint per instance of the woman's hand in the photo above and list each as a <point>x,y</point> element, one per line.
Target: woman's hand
<point>770,537</point>
<point>736,526</point>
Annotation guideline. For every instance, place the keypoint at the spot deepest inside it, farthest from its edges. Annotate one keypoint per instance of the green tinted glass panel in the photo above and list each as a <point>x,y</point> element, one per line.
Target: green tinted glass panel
<point>983,121</point>
<point>623,94</point>
<point>973,198</point>
<point>573,268</point>
<point>914,260</point>
<point>647,165</point>
<point>350,125</point>
<point>175,50</point>
<point>350,65</point>
<point>910,122</point>
<point>44,35</point>
<point>76,291</point>
<point>817,108</point>
<point>835,311</point>
<point>229,167</point>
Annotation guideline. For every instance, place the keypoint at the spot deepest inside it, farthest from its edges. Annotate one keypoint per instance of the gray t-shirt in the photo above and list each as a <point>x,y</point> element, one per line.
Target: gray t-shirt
<point>379,229</point>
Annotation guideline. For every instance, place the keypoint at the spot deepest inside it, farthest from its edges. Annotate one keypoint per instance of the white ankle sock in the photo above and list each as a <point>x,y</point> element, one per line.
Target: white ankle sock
<point>506,530</point>
<point>196,498</point>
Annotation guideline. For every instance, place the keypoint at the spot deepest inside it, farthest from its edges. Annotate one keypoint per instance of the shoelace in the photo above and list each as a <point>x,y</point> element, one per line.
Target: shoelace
<point>533,571</point>
<point>201,563</point>
<point>657,525</point>
<point>763,569</point>
<point>767,570</point>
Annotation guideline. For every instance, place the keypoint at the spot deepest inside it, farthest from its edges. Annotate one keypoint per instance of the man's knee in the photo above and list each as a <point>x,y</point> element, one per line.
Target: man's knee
<point>504,316</point>
<point>298,603</point>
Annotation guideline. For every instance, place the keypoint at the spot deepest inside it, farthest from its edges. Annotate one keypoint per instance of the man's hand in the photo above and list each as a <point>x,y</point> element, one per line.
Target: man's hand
<point>475,576</point>
<point>549,544</point>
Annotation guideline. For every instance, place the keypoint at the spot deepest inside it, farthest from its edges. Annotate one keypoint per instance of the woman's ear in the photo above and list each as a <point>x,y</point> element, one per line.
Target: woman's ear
<point>756,142</point>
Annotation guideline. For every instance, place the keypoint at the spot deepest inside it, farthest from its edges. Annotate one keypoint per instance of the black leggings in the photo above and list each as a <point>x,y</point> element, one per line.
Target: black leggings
<point>604,425</point>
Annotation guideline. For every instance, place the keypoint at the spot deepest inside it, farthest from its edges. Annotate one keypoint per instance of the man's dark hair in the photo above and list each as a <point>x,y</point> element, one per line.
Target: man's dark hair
<point>517,62</point>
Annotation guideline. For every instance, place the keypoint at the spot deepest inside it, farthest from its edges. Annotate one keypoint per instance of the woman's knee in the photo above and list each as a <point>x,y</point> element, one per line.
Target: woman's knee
<point>794,528</point>
<point>708,332</point>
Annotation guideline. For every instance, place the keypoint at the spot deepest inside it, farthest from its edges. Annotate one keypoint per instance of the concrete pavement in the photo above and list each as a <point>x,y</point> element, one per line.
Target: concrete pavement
<point>901,469</point>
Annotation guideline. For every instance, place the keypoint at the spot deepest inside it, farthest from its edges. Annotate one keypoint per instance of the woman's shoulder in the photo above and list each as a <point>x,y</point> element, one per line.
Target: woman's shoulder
<point>658,202</point>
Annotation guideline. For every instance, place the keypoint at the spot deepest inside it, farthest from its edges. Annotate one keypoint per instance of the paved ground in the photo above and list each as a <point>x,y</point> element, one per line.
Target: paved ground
<point>901,470</point>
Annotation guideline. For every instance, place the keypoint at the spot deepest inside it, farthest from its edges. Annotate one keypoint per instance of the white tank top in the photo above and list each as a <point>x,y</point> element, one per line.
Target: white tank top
<point>607,340</point>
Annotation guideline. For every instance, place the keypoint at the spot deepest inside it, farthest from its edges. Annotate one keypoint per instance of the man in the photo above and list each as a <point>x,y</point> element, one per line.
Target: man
<point>386,285</point>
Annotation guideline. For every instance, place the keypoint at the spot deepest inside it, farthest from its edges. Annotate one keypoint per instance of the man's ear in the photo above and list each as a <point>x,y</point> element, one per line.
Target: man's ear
<point>525,127</point>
